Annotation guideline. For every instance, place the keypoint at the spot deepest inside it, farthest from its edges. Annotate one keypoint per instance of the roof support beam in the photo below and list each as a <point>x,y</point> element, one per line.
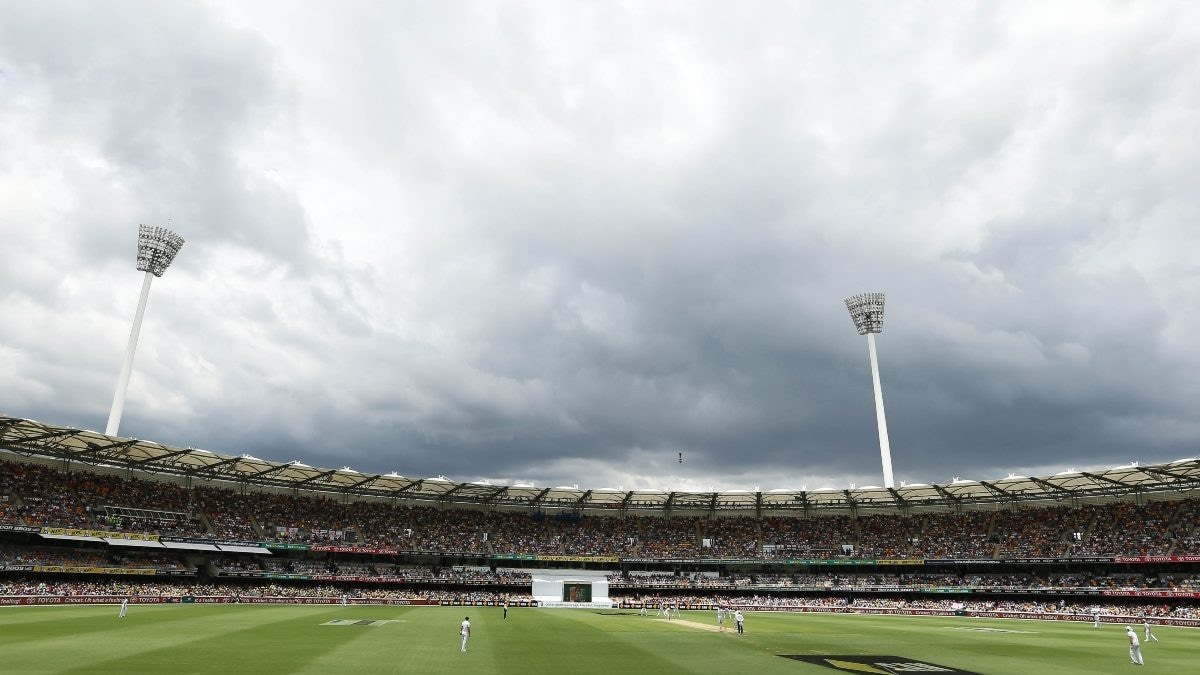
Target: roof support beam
<point>1056,489</point>
<point>211,469</point>
<point>539,497</point>
<point>1105,479</point>
<point>950,499</point>
<point>278,468</point>
<point>366,481</point>
<point>579,503</point>
<point>1163,473</point>
<point>411,486</point>
<point>97,449</point>
<point>446,495</point>
<point>306,481</point>
<point>150,460</point>
<point>999,491</point>
<point>48,435</point>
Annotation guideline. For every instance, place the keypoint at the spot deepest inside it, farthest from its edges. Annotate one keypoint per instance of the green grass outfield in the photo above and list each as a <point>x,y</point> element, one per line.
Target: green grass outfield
<point>292,639</point>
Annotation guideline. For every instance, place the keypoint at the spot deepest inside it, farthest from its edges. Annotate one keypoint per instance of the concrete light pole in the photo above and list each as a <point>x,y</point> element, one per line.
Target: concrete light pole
<point>157,247</point>
<point>866,310</point>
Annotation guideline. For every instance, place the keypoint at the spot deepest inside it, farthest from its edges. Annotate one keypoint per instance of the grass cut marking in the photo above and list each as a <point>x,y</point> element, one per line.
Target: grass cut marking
<point>270,640</point>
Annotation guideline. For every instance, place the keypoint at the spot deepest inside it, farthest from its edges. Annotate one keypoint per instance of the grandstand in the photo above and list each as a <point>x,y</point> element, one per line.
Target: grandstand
<point>83,514</point>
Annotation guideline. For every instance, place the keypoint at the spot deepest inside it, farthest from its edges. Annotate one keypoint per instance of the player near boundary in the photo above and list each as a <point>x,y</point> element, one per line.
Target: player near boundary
<point>1135,649</point>
<point>124,608</point>
<point>1095,618</point>
<point>738,619</point>
<point>1149,635</point>
<point>721,617</point>
<point>464,630</point>
<point>506,610</point>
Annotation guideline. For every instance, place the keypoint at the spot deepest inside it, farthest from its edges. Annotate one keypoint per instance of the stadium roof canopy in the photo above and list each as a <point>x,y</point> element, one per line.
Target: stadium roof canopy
<point>35,439</point>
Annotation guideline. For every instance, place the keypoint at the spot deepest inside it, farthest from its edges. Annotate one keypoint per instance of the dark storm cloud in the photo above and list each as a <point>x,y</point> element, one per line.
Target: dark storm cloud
<point>566,246</point>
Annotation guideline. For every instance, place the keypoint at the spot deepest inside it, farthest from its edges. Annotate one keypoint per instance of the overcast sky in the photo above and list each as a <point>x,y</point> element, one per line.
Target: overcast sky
<point>563,242</point>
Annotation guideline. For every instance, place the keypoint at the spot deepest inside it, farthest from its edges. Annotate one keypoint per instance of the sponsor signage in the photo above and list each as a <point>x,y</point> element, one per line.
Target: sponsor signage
<point>19,528</point>
<point>1152,594</point>
<point>1156,558</point>
<point>578,558</point>
<point>102,534</point>
<point>75,569</point>
<point>191,540</point>
<point>900,561</point>
<point>16,568</point>
<point>287,546</point>
<point>354,549</point>
<point>887,665</point>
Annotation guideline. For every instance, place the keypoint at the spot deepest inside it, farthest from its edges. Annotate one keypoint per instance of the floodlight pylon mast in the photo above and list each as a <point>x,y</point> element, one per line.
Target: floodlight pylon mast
<point>157,247</point>
<point>866,310</point>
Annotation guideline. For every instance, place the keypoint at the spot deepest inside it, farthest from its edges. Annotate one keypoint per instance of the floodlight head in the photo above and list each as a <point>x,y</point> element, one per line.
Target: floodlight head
<point>157,247</point>
<point>866,310</point>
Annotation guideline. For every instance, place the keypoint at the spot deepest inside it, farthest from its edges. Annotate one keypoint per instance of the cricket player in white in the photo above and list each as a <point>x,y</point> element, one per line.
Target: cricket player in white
<point>1135,649</point>
<point>465,631</point>
<point>1149,636</point>
<point>738,618</point>
<point>1095,619</point>
<point>124,608</point>
<point>721,618</point>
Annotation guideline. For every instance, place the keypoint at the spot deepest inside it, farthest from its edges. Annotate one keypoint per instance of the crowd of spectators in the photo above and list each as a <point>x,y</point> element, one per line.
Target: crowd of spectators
<point>27,587</point>
<point>916,582</point>
<point>852,604</point>
<point>71,557</point>
<point>46,496</point>
<point>34,494</point>
<point>818,537</point>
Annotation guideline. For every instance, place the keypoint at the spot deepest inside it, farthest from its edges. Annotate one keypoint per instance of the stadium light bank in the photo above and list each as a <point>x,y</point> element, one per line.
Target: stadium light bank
<point>866,310</point>
<point>156,250</point>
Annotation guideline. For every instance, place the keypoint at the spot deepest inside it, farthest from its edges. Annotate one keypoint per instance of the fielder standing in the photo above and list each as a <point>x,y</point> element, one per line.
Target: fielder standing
<point>1135,649</point>
<point>124,608</point>
<point>465,631</point>
<point>1149,635</point>
<point>738,619</point>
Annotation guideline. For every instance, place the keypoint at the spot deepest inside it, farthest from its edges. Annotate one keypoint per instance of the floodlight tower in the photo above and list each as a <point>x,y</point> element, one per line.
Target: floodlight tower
<point>157,247</point>
<point>866,310</point>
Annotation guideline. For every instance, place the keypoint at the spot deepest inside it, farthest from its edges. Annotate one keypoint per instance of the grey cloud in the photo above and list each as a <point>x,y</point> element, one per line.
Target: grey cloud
<point>610,239</point>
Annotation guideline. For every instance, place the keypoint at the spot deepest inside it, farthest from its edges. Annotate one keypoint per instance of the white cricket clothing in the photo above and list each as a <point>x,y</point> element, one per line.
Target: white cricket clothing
<point>465,631</point>
<point>124,608</point>
<point>1135,649</point>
